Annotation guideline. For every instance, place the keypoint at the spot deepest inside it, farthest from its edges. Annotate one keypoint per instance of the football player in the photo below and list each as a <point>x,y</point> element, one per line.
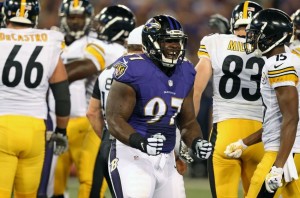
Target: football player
<point>150,95</point>
<point>267,34</point>
<point>236,101</point>
<point>76,16</point>
<point>30,63</point>
<point>295,45</point>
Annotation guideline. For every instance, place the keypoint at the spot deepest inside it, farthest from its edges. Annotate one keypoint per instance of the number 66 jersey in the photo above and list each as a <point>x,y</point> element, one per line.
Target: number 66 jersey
<point>236,77</point>
<point>26,64</point>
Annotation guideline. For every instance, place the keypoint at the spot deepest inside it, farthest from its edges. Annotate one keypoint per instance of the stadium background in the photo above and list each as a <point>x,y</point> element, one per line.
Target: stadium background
<point>194,16</point>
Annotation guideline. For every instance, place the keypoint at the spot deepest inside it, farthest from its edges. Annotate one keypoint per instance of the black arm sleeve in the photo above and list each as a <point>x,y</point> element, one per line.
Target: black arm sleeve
<point>96,91</point>
<point>61,95</point>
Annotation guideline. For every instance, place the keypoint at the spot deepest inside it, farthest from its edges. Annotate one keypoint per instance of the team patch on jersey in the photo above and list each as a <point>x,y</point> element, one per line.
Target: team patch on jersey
<point>120,69</point>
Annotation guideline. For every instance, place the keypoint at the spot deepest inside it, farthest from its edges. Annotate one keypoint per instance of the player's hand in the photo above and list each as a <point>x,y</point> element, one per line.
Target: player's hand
<point>235,150</point>
<point>202,148</point>
<point>59,142</point>
<point>273,179</point>
<point>184,153</point>
<point>153,145</point>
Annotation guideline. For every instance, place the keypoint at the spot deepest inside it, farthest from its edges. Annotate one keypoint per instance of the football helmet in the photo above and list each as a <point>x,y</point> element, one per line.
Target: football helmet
<point>76,27</point>
<point>269,28</point>
<point>220,23</point>
<point>296,20</point>
<point>159,30</point>
<point>23,12</point>
<point>243,13</point>
<point>114,23</point>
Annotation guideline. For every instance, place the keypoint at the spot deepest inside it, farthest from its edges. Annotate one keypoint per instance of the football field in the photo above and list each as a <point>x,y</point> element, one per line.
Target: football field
<point>194,187</point>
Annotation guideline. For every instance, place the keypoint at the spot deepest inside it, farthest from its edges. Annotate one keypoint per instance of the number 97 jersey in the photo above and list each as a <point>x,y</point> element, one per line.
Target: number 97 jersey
<point>236,77</point>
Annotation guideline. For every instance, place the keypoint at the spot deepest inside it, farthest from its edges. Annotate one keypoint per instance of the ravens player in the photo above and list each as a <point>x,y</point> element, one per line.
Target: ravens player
<point>152,93</point>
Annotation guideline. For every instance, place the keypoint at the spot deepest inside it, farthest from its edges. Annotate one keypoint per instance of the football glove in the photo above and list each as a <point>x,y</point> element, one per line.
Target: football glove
<point>235,150</point>
<point>184,153</point>
<point>201,148</point>
<point>274,179</point>
<point>59,141</point>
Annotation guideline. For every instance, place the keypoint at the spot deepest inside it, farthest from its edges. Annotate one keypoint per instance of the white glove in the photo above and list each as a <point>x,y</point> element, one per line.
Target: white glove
<point>202,148</point>
<point>274,179</point>
<point>59,143</point>
<point>184,153</point>
<point>153,145</point>
<point>235,150</point>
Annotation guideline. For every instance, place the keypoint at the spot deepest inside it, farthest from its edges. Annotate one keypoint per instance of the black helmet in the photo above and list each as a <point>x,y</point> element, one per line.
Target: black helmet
<point>220,23</point>
<point>296,20</point>
<point>243,13</point>
<point>114,23</point>
<point>75,7</point>
<point>17,11</point>
<point>269,28</point>
<point>158,30</point>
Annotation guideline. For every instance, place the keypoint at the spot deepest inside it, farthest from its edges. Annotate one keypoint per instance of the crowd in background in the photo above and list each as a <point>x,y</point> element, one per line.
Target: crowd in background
<point>193,14</point>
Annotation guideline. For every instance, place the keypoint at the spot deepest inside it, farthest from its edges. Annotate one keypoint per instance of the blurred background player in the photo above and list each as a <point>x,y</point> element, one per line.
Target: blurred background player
<point>295,45</point>
<point>34,55</point>
<point>76,16</point>
<point>236,101</point>
<point>219,24</point>
<point>96,109</point>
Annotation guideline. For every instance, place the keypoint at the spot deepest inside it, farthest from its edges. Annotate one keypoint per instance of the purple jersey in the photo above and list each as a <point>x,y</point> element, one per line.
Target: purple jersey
<point>158,97</point>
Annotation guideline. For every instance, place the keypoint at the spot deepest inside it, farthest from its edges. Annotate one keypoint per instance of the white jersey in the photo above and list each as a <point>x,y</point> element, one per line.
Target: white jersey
<point>236,77</point>
<point>295,47</point>
<point>280,70</point>
<point>81,49</point>
<point>112,51</point>
<point>28,59</point>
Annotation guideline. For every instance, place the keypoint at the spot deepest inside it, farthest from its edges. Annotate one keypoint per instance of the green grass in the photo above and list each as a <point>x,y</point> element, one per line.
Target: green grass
<point>194,188</point>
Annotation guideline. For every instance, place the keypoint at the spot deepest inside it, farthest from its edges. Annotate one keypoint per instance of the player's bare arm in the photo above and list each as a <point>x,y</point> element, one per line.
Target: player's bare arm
<point>187,123</point>
<point>120,104</point>
<point>95,116</point>
<point>80,69</point>
<point>288,103</point>
<point>204,72</point>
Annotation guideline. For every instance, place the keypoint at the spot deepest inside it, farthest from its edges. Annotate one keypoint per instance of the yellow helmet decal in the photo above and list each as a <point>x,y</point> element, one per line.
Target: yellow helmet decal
<point>245,10</point>
<point>75,3</point>
<point>22,9</point>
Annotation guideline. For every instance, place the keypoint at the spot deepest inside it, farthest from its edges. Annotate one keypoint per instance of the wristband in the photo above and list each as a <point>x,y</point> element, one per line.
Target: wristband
<point>61,131</point>
<point>135,140</point>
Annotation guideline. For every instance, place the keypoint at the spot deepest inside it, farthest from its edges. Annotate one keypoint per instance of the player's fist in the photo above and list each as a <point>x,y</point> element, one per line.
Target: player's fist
<point>59,141</point>
<point>273,179</point>
<point>202,148</point>
<point>154,144</point>
<point>184,153</point>
<point>235,150</point>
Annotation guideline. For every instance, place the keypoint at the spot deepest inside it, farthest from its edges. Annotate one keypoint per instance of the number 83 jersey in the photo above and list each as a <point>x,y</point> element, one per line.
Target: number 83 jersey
<point>28,59</point>
<point>236,77</point>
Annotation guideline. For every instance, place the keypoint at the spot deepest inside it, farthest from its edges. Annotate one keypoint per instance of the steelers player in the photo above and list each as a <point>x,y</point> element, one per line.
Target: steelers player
<point>30,63</point>
<point>76,16</point>
<point>236,101</point>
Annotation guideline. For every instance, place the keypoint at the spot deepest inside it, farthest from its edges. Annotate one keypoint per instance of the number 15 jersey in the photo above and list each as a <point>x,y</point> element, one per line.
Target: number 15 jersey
<point>236,77</point>
<point>28,59</point>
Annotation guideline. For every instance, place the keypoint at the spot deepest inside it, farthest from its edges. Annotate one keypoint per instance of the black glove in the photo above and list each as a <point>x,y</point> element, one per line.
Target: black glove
<point>59,141</point>
<point>152,145</point>
<point>202,148</point>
